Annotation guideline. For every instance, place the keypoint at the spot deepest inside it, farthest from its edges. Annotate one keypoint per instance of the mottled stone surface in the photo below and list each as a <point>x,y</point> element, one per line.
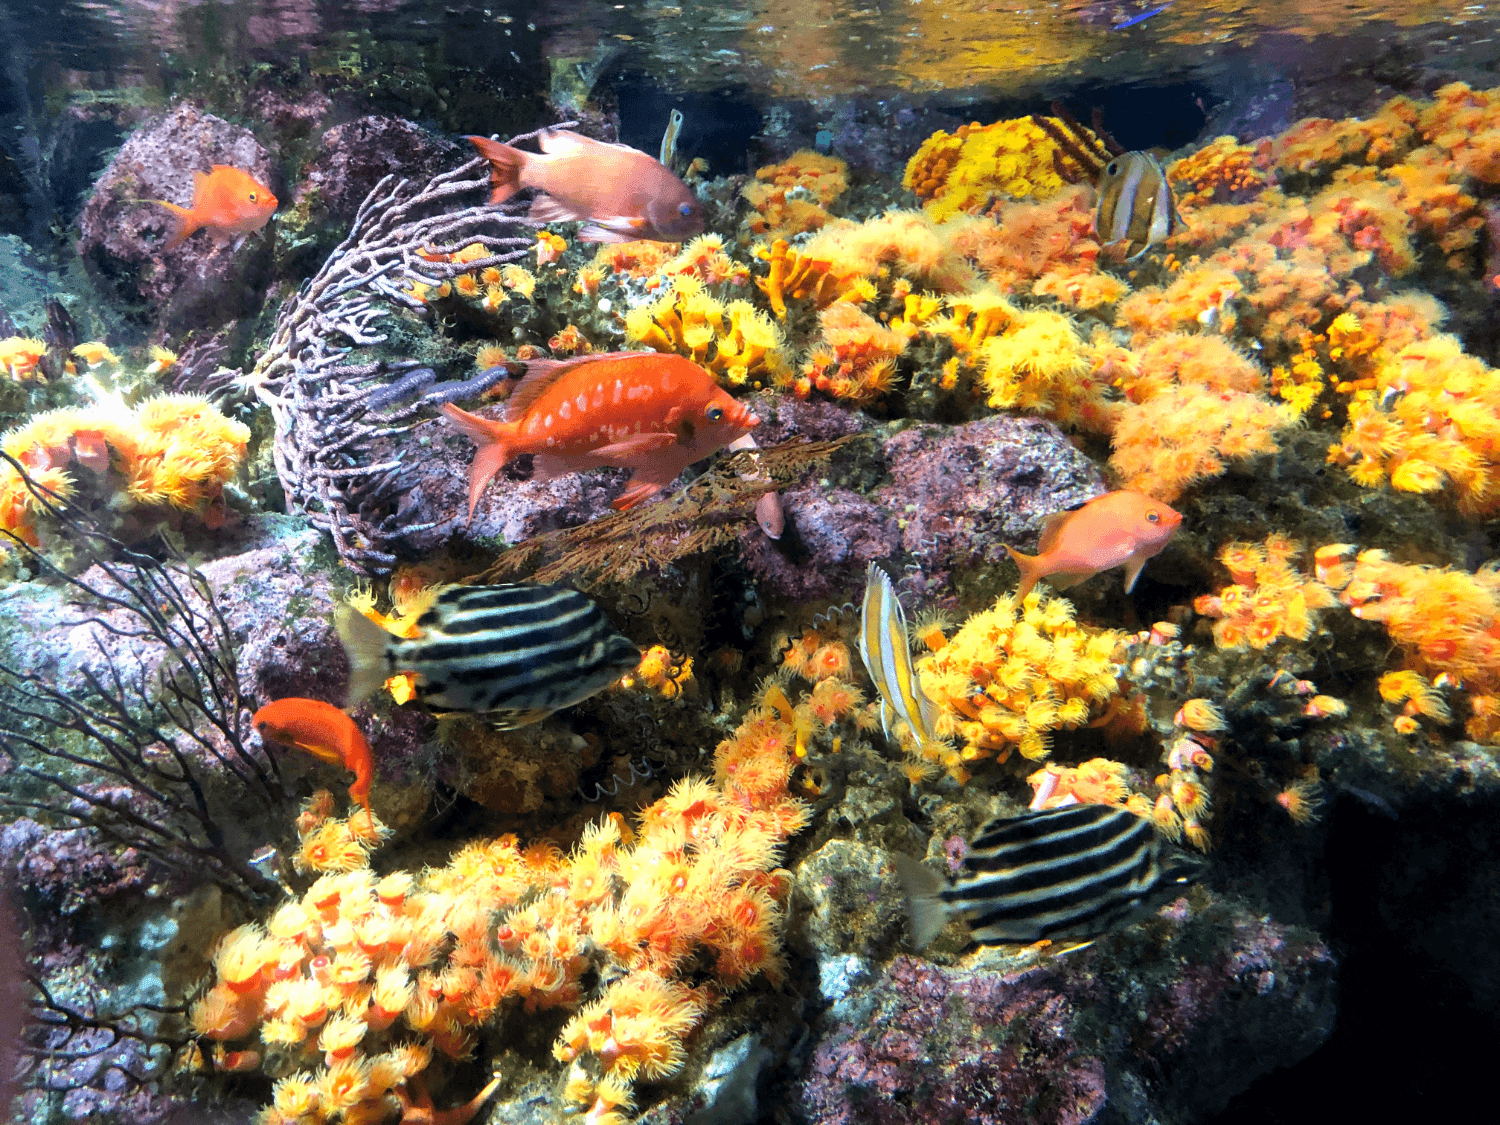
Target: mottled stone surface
<point>1165,1021</point>
<point>198,284</point>
<point>353,157</point>
<point>962,493</point>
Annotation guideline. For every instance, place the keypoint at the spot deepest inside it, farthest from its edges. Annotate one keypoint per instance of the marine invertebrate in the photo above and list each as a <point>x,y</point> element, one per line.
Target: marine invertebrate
<point>1428,424</point>
<point>905,244</point>
<point>131,759</point>
<point>964,170</point>
<point>1222,171</point>
<point>1270,597</point>
<point>171,450</point>
<point>792,197</point>
<point>1446,621</point>
<point>796,276</point>
<point>500,926</point>
<point>20,357</point>
<point>1045,249</point>
<point>853,359</point>
<point>393,262</point>
<point>741,345</point>
<point>1187,434</point>
<point>1017,671</point>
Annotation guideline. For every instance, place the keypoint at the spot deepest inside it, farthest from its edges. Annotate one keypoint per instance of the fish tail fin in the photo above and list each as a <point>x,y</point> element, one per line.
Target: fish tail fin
<point>186,223</point>
<point>928,912</point>
<point>1031,571</point>
<point>491,451</point>
<point>505,167</point>
<point>364,643</point>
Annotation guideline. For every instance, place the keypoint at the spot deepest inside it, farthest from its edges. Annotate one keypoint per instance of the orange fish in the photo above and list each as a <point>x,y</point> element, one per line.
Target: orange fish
<point>1121,528</point>
<point>647,411</point>
<point>228,202</point>
<point>323,731</point>
<point>620,192</point>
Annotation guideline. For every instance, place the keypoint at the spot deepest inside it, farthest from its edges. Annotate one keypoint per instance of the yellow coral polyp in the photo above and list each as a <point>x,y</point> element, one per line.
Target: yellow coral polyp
<point>735,341</point>
<point>1055,673</point>
<point>963,171</point>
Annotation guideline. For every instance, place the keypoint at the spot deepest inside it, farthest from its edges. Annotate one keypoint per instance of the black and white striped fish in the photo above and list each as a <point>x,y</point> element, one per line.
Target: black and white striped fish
<point>512,653</point>
<point>1068,873</point>
<point>1136,208</point>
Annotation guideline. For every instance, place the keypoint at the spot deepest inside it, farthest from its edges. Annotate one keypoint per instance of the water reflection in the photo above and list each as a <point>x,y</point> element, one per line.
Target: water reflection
<point>796,48</point>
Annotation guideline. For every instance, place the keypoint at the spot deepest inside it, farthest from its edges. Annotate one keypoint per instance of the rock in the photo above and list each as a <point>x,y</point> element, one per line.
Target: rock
<point>198,284</point>
<point>353,158</point>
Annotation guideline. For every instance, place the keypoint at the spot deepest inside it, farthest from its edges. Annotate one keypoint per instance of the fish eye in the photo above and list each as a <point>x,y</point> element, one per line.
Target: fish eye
<point>252,197</point>
<point>685,210</point>
<point>715,413</point>
<point>1113,168</point>
<point>1153,516</point>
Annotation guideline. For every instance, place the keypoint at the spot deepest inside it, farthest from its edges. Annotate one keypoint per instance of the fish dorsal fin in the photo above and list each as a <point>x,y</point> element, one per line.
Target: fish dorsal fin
<point>1052,527</point>
<point>542,373</point>
<point>562,140</point>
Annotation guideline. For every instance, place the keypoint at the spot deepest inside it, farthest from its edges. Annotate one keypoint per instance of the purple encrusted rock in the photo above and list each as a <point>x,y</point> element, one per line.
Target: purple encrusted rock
<point>962,493</point>
<point>946,1046</point>
<point>1166,1020</point>
<point>198,284</point>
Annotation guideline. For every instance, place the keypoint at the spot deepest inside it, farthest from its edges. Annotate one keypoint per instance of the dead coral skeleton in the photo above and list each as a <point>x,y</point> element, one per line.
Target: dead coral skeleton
<point>331,406</point>
<point>130,757</point>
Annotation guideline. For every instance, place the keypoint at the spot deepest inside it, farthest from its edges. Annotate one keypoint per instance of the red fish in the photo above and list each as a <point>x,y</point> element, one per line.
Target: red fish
<point>620,192</point>
<point>654,413</point>
<point>228,202</point>
<point>323,731</point>
<point>1121,528</point>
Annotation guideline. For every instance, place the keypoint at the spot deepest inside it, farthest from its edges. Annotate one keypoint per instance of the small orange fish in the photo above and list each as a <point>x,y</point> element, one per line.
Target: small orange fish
<point>620,192</point>
<point>1121,528</point>
<point>647,411</point>
<point>228,202</point>
<point>323,731</point>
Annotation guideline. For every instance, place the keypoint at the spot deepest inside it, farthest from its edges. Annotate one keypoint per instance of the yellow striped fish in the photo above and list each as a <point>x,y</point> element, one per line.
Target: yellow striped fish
<point>1067,873</point>
<point>1136,208</point>
<point>887,656</point>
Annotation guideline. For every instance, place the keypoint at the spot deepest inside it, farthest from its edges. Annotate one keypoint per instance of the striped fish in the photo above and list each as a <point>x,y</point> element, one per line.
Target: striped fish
<point>1136,208</point>
<point>512,653</point>
<point>887,656</point>
<point>1067,873</point>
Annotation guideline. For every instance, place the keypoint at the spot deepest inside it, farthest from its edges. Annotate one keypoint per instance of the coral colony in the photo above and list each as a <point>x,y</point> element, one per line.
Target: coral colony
<point>1276,368</point>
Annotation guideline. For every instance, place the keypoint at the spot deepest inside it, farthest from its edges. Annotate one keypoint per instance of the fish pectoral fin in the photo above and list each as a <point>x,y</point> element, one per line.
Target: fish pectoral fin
<point>550,209</point>
<point>613,230</point>
<point>323,753</point>
<point>631,448</point>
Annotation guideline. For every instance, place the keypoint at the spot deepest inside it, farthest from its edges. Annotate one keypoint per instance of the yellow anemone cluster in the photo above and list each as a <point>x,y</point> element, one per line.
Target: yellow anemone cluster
<point>1446,621</point>
<point>1017,671</point>
<point>964,170</point>
<point>1430,423</point>
<point>736,341</point>
<point>1270,597</point>
<point>797,276</point>
<point>176,450</point>
<point>792,197</point>
<point>360,980</point>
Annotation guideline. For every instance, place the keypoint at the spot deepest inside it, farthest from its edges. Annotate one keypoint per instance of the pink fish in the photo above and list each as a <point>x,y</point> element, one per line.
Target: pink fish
<point>1121,528</point>
<point>619,192</point>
